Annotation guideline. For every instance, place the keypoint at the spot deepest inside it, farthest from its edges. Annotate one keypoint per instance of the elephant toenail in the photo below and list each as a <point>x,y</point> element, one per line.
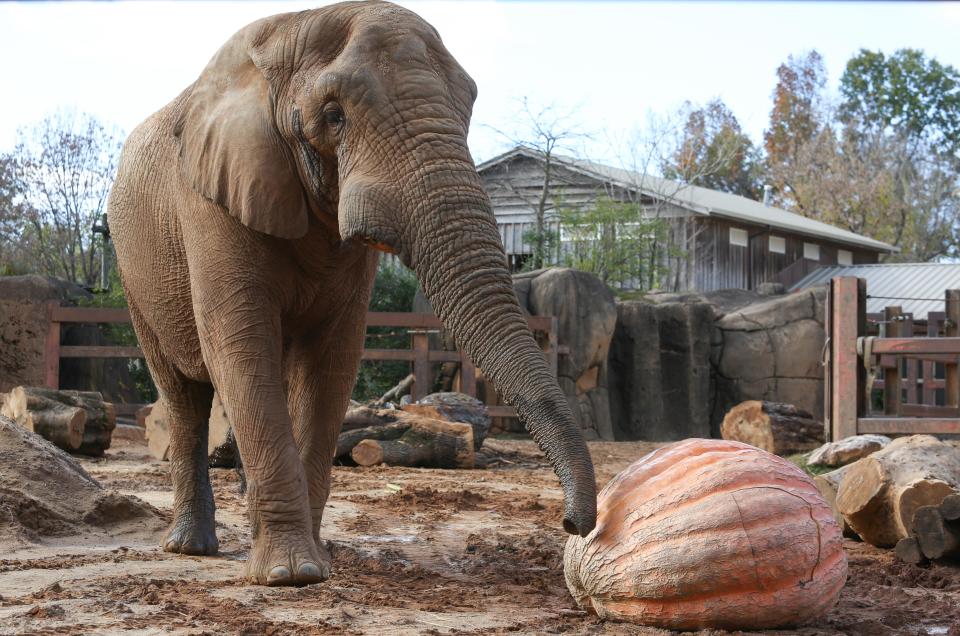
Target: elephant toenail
<point>309,572</point>
<point>279,574</point>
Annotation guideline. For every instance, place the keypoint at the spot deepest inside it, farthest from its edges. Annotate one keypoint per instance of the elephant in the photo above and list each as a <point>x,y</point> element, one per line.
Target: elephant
<point>249,215</point>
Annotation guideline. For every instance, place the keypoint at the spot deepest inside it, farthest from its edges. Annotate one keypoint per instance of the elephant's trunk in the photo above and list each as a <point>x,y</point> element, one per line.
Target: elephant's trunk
<point>454,247</point>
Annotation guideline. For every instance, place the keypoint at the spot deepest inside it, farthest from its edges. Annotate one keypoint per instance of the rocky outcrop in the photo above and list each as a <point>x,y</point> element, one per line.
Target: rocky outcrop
<point>679,362</point>
<point>771,351</point>
<point>661,385</point>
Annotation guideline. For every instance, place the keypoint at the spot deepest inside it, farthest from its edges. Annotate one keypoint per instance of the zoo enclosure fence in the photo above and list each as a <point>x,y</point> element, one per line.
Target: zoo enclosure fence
<point>419,326</point>
<point>867,355</point>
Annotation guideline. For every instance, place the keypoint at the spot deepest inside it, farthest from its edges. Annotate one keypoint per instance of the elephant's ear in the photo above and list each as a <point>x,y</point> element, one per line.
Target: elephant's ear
<point>231,151</point>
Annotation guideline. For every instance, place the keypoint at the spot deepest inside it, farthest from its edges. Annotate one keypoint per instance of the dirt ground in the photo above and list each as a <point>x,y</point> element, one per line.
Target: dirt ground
<point>415,552</point>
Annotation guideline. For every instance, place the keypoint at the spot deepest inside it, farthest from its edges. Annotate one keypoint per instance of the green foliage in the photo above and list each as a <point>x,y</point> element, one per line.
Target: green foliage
<point>906,92</point>
<point>615,241</point>
<point>811,469</point>
<point>543,242</point>
<point>393,290</point>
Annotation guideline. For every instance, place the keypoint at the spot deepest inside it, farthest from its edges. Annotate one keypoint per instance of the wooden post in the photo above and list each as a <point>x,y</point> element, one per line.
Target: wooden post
<point>827,361</point>
<point>51,351</point>
<point>929,366</point>
<point>468,376</point>
<point>848,322</point>
<point>912,363</point>
<point>421,364</point>
<point>892,386</point>
<point>952,330</point>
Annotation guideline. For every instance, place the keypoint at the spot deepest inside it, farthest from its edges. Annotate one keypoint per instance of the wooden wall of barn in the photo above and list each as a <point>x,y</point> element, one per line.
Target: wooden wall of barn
<point>718,264</point>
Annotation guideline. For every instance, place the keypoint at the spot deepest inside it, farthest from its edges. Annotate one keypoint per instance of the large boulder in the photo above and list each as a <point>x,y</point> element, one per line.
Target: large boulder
<point>661,385</point>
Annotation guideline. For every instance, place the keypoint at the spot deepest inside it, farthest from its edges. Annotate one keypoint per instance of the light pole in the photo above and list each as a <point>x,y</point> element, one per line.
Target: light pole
<point>103,228</point>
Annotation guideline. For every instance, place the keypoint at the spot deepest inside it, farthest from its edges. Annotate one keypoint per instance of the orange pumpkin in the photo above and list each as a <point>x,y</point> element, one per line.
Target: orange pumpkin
<point>709,533</point>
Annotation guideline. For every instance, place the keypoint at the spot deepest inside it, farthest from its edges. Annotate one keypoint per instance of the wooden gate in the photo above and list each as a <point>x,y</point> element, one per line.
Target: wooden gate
<point>868,355</point>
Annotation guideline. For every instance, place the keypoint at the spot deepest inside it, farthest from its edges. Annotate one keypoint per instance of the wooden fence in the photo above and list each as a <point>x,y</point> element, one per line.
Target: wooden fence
<point>419,326</point>
<point>870,353</point>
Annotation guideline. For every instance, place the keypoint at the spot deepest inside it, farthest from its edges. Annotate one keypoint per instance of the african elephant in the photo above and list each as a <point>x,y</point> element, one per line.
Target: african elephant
<point>248,214</point>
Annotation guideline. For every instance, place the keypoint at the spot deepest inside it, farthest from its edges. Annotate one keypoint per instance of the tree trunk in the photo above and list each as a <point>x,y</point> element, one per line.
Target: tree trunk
<point>348,439</point>
<point>879,494</point>
<point>828,484</point>
<point>781,429</point>
<point>426,443</point>
<point>950,507</point>
<point>364,417</point>
<point>908,551</point>
<point>76,421</point>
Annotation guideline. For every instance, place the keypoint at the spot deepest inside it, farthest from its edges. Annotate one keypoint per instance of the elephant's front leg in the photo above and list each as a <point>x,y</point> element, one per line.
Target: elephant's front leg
<point>320,379</point>
<point>244,360</point>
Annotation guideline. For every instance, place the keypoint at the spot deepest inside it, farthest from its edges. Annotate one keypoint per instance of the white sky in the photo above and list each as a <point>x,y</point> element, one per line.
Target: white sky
<point>614,61</point>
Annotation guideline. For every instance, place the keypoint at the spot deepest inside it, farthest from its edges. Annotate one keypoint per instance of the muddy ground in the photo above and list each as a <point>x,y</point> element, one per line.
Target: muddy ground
<point>415,552</point>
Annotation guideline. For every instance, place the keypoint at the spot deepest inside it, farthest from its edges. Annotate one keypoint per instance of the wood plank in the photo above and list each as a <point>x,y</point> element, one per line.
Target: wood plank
<point>892,392</point>
<point>91,314</point>
<point>952,330</point>
<point>916,346</point>
<point>468,377</point>
<point>929,368</point>
<point>100,352</point>
<point>906,329</point>
<point>908,425</point>
<point>847,302</point>
<point>928,410</point>
<point>421,365</point>
<point>51,350</point>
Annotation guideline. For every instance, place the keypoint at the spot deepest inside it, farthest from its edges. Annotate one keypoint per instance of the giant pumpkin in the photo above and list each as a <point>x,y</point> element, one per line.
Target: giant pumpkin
<point>709,533</point>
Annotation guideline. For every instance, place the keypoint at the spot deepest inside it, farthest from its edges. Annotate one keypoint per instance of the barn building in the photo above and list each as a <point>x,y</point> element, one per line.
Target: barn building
<point>719,240</point>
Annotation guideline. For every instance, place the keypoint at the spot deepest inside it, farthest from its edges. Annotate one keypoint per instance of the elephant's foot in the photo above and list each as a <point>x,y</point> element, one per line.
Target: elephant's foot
<point>287,559</point>
<point>192,534</point>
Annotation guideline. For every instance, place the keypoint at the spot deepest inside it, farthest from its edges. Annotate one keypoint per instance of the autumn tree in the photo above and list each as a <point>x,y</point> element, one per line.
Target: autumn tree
<point>549,130</point>
<point>62,170</point>
<point>712,151</point>
<point>797,114</point>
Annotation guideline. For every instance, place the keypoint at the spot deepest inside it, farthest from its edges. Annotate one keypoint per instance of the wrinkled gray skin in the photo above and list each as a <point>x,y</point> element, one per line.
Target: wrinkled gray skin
<point>247,215</point>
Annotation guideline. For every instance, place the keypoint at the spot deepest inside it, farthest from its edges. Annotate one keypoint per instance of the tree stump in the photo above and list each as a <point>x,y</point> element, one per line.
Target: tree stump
<point>349,439</point>
<point>425,443</point>
<point>76,421</point>
<point>781,429</point>
<point>454,407</point>
<point>879,494</point>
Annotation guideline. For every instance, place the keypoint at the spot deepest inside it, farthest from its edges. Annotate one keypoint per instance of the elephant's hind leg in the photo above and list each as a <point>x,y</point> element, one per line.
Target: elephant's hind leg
<point>188,405</point>
<point>194,526</point>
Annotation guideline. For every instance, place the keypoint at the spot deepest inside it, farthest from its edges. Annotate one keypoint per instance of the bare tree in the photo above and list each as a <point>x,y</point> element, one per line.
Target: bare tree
<point>63,168</point>
<point>548,130</point>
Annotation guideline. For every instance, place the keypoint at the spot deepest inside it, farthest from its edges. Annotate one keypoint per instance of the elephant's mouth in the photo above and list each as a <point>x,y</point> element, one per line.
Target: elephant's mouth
<point>378,245</point>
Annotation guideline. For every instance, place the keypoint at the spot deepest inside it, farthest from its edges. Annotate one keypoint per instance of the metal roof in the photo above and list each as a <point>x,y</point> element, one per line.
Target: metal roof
<point>704,201</point>
<point>916,287</point>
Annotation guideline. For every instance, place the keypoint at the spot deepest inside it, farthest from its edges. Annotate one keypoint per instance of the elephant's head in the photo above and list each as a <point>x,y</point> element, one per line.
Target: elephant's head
<point>356,116</point>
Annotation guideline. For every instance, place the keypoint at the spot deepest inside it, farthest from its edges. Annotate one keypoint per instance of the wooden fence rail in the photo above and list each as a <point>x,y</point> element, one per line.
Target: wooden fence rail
<point>419,326</point>
<point>894,366</point>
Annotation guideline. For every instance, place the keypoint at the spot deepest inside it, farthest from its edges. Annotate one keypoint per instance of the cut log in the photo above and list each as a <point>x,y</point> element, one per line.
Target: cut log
<point>347,440</point>
<point>781,429</point>
<point>76,421</point>
<point>879,494</point>
<point>908,551</point>
<point>454,407</point>
<point>426,443</point>
<point>828,484</point>
<point>936,537</point>
<point>365,416</point>
<point>158,431</point>
<point>950,507</point>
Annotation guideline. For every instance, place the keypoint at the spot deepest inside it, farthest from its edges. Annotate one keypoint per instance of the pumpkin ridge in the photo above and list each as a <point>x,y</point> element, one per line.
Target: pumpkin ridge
<point>706,596</point>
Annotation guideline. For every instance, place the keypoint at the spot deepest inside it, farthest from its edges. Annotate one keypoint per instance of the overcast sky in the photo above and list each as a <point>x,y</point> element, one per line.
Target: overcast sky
<point>614,62</point>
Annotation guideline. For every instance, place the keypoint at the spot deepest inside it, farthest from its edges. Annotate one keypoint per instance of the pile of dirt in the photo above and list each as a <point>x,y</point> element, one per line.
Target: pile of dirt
<point>45,493</point>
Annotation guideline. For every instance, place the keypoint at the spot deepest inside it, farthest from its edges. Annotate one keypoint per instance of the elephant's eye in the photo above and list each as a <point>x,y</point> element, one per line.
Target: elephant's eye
<point>334,117</point>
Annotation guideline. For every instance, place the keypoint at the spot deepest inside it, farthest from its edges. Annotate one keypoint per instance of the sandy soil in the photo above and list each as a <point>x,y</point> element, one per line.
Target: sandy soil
<point>415,552</point>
